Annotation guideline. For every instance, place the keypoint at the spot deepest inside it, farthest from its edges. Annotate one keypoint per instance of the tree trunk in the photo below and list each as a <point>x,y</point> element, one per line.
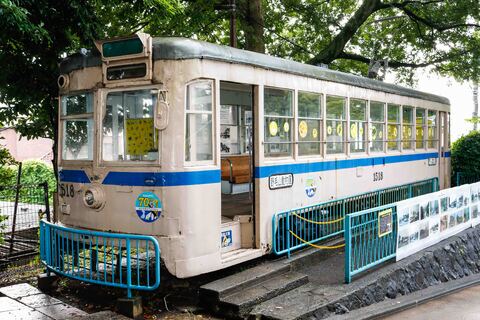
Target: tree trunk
<point>338,43</point>
<point>253,25</point>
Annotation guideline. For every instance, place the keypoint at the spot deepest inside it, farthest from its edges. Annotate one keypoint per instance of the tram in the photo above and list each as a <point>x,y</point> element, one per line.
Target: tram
<point>199,144</point>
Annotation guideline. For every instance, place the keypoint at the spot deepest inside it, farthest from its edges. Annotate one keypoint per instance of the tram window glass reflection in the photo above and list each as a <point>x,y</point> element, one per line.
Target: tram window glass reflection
<point>128,127</point>
<point>420,129</point>
<point>407,127</point>
<point>336,119</point>
<point>198,131</point>
<point>278,108</point>
<point>393,117</point>
<point>432,129</point>
<point>77,127</point>
<point>358,125</point>
<point>309,123</point>
<point>377,126</point>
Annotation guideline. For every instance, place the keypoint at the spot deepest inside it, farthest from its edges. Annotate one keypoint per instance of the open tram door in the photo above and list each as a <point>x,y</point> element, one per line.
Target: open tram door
<point>236,143</point>
<point>444,150</point>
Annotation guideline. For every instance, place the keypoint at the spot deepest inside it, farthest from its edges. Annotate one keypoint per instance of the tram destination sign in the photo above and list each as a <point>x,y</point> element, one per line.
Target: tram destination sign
<point>279,181</point>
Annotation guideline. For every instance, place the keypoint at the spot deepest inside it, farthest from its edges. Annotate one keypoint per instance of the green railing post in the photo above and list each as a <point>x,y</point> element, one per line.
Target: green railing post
<point>348,249</point>
<point>409,191</point>
<point>457,179</point>
<point>288,234</point>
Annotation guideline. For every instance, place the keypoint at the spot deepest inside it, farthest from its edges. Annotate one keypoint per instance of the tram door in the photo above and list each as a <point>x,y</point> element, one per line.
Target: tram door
<point>444,172</point>
<point>236,149</point>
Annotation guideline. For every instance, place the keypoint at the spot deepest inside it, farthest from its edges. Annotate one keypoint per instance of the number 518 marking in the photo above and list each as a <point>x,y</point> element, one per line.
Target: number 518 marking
<point>66,190</point>
<point>378,176</point>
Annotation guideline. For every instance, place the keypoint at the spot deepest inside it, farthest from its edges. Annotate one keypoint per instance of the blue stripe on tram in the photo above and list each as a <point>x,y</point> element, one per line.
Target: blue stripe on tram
<point>297,168</point>
<point>167,179</point>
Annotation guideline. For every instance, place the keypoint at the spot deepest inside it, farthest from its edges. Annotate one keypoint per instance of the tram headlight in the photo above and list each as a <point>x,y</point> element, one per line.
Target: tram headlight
<point>94,197</point>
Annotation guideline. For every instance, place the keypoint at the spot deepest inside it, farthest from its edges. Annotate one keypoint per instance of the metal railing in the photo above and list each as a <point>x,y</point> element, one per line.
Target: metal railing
<point>21,208</point>
<point>365,246</point>
<point>297,228</point>
<point>125,261</point>
<point>462,178</point>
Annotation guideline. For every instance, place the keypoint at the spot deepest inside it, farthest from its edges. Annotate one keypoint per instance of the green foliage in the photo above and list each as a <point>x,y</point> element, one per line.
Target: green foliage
<point>34,172</point>
<point>465,154</point>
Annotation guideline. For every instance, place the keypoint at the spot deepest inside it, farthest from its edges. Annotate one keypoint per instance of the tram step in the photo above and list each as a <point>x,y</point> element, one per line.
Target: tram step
<point>212,292</point>
<point>242,301</point>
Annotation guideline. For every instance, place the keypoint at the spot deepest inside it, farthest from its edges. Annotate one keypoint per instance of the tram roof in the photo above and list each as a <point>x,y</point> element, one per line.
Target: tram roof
<point>171,48</point>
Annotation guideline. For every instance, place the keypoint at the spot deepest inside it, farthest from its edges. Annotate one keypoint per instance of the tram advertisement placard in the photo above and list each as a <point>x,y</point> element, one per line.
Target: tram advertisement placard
<point>148,207</point>
<point>428,219</point>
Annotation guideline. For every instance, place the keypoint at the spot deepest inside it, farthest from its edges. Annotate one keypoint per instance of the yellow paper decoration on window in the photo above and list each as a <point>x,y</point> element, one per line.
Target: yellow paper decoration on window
<point>409,132</point>
<point>329,130</point>
<point>139,136</point>
<point>273,128</point>
<point>286,127</point>
<point>302,129</point>
<point>380,134</point>
<point>374,133</point>
<point>339,130</point>
<point>361,131</point>
<point>353,130</point>
<point>314,133</point>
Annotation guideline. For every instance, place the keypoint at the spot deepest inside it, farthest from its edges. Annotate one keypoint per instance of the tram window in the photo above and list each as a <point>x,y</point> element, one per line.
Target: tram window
<point>407,128</point>
<point>432,129</point>
<point>128,127</point>
<point>278,105</point>
<point>358,125</point>
<point>393,117</point>
<point>77,124</point>
<point>309,123</point>
<point>336,120</point>
<point>420,122</point>
<point>377,126</point>
<point>198,130</point>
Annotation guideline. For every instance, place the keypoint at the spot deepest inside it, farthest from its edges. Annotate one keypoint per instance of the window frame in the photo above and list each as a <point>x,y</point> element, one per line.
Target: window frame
<point>345,130</point>
<point>320,120</point>
<point>423,127</point>
<point>435,139</point>
<point>364,122</point>
<point>370,126</point>
<point>398,124</point>
<point>186,112</point>
<point>410,125</point>
<point>122,163</point>
<point>293,128</point>
<point>81,116</point>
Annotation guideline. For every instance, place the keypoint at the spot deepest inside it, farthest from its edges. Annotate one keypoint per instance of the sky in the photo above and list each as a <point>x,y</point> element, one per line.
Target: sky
<point>459,94</point>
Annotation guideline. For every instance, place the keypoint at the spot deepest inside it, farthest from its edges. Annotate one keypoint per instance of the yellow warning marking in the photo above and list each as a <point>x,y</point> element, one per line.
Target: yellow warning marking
<point>317,222</point>
<point>317,246</point>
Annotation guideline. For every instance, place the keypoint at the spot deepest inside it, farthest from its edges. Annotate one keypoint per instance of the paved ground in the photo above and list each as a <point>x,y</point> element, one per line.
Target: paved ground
<point>23,301</point>
<point>462,305</point>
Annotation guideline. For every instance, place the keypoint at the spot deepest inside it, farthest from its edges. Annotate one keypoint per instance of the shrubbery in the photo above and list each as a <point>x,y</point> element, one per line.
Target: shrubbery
<point>466,154</point>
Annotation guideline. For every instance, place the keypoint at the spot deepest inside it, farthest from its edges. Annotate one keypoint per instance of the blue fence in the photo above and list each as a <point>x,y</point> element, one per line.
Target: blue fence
<point>366,244</point>
<point>125,261</point>
<point>297,228</point>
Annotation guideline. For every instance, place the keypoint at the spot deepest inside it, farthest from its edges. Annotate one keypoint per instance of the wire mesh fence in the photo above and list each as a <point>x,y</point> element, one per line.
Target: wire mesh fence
<point>21,208</point>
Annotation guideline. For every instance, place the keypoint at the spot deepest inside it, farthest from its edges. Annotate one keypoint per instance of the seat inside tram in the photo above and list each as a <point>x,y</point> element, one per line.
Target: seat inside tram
<point>236,136</point>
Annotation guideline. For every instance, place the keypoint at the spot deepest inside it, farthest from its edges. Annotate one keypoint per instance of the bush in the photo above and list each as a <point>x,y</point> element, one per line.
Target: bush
<point>34,172</point>
<point>466,154</point>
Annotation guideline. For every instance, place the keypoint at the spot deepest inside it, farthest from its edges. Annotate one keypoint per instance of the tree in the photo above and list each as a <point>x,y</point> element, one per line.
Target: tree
<point>34,36</point>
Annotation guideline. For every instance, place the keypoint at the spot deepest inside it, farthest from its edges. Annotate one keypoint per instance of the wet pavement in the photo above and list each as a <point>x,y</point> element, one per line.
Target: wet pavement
<point>23,301</point>
<point>461,305</point>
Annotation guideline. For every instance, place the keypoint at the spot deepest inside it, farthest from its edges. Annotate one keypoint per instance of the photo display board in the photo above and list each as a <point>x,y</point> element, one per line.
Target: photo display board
<point>428,219</point>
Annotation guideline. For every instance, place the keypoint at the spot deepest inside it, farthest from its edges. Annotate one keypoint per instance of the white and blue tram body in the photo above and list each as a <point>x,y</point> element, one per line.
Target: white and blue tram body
<point>161,137</point>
